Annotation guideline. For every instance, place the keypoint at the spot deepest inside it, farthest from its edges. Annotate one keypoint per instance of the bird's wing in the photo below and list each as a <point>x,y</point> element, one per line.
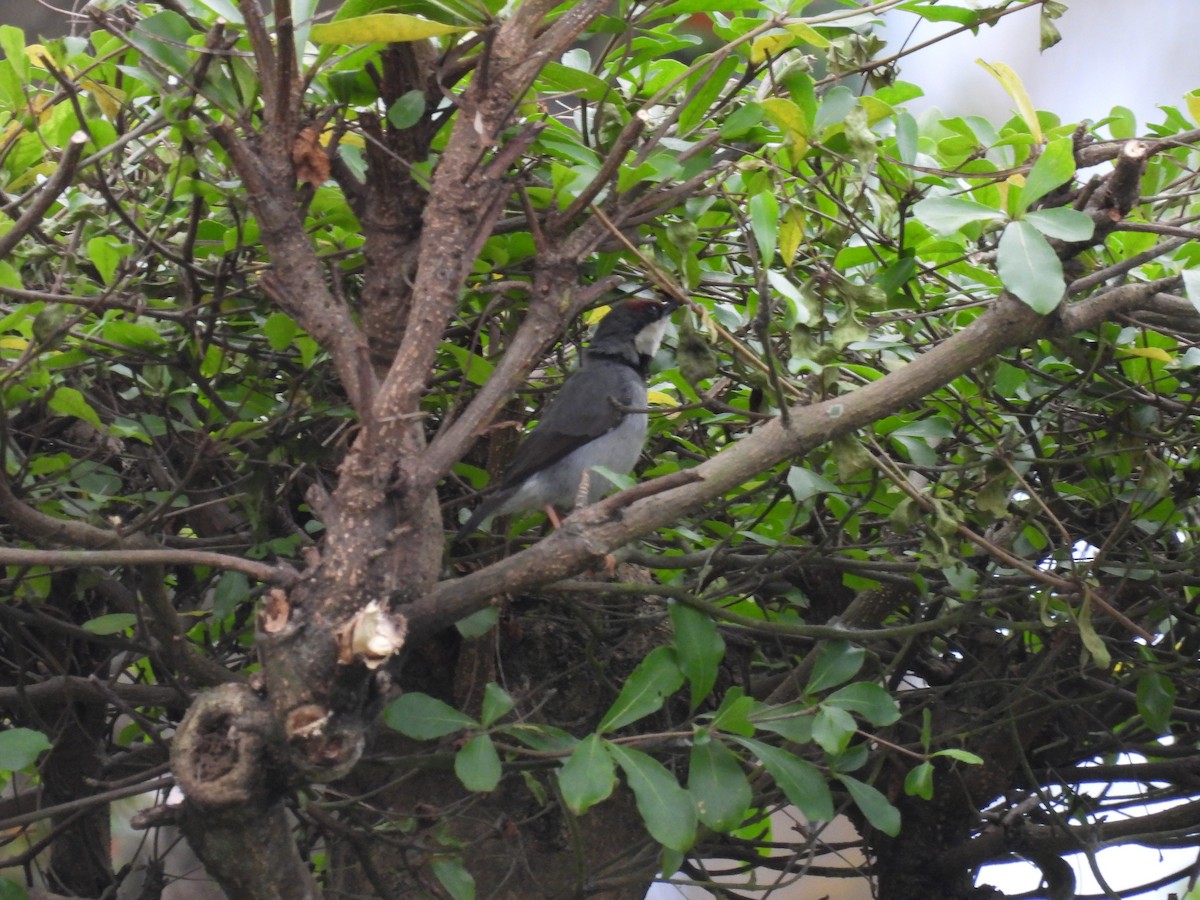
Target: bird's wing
<point>581,412</point>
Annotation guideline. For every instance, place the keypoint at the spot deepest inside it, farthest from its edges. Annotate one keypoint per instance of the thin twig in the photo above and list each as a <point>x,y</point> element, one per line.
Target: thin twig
<point>43,199</point>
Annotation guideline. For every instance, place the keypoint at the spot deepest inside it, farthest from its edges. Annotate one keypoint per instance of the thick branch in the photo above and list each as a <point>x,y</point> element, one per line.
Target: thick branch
<point>994,843</point>
<point>75,689</point>
<point>467,195</point>
<point>233,815</point>
<point>39,527</point>
<point>596,530</point>
<point>298,283</point>
<point>280,575</point>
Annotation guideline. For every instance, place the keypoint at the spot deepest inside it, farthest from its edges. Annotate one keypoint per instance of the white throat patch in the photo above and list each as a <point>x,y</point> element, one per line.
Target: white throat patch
<point>651,336</point>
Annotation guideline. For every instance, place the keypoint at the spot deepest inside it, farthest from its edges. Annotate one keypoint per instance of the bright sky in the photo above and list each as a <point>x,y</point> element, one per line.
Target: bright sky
<point>1114,52</point>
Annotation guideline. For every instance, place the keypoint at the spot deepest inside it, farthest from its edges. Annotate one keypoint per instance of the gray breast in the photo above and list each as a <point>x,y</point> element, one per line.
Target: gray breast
<point>617,450</point>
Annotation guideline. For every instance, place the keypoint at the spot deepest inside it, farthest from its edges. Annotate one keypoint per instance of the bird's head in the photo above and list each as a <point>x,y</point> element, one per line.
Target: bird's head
<point>639,322</point>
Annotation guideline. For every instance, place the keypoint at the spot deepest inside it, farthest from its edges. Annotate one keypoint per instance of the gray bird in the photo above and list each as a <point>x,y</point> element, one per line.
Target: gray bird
<point>587,424</point>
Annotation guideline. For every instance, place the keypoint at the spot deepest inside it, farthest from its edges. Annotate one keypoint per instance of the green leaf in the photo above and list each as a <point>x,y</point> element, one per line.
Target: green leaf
<point>424,718</point>
<point>808,35</point>
<point>656,677</point>
<point>699,649</point>
<point>544,738</point>
<point>12,43</point>
<point>733,716</point>
<point>1062,223</point>
<point>113,623</point>
<point>1191,286</point>
<point>454,12</point>
<point>793,721</point>
<point>718,784</point>
<point>67,401</point>
<point>919,781</point>
<point>478,623</point>
<point>800,781</point>
<point>569,80</point>
<point>764,222</point>
<point>408,110</point>
<point>805,484</point>
<point>1092,642</point>
<point>477,764</point>
<point>226,9</point>
<point>741,120</point>
<point>496,703</point>
<point>450,871</point>
<point>232,589</point>
<point>162,38</point>
<point>388,28</point>
<point>865,699</point>
<point>833,728</point>
<point>665,807</point>
<point>1053,168</point>
<point>10,277</point>
<point>105,254</point>
<point>1029,268</point>
<point>943,13</point>
<point>10,890</point>
<point>476,369</point>
<point>588,776</point>
<point>137,335</point>
<point>881,814</point>
<point>708,84</point>
<point>1155,701</point>
<point>837,662</point>
<point>962,756</point>
<point>947,215</point>
<point>279,329</point>
<point>20,748</point>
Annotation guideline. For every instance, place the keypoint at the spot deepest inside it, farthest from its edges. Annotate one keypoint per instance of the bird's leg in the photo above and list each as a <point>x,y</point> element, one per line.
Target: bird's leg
<point>553,516</point>
<point>585,483</point>
<point>581,496</point>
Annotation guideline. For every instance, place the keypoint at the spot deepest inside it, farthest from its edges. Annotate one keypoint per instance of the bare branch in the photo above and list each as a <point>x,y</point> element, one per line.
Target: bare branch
<point>38,526</point>
<point>280,575</point>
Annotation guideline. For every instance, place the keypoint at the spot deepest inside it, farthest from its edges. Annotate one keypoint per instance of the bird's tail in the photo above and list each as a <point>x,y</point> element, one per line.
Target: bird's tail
<point>487,508</point>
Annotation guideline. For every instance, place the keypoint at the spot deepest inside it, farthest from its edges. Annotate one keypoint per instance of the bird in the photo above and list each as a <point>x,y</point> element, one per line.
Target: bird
<point>596,419</point>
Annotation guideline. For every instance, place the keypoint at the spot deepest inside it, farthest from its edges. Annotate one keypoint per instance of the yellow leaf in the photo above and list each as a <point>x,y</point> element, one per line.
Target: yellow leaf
<point>13,343</point>
<point>595,315</point>
<point>788,116</point>
<point>1011,83</point>
<point>109,99</point>
<point>1156,353</point>
<point>38,56</point>
<point>348,139</point>
<point>770,45</point>
<point>658,398</point>
<point>709,324</point>
<point>1193,105</point>
<point>791,234</point>
<point>808,34</point>
<point>876,109</point>
<point>387,28</point>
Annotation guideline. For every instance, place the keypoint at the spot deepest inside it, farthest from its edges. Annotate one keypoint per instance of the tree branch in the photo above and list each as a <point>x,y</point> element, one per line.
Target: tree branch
<point>282,575</point>
<point>46,196</point>
<point>592,532</point>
